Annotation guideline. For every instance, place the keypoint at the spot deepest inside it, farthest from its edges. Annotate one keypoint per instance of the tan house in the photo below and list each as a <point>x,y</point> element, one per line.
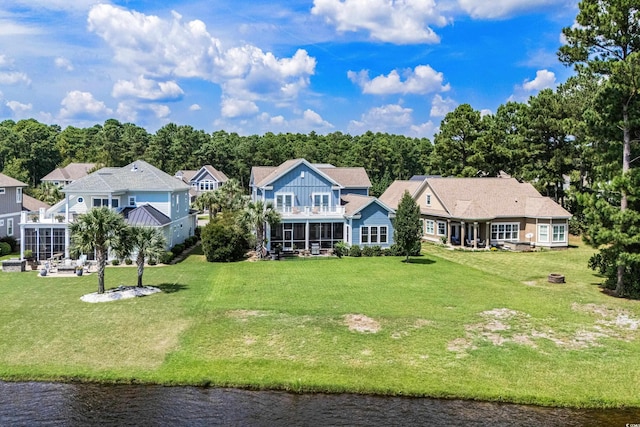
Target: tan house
<point>484,212</point>
<point>66,175</point>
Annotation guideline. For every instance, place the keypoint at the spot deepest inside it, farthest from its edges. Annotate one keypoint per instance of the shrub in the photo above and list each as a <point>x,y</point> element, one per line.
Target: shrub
<point>28,254</point>
<point>198,232</point>
<point>340,249</point>
<point>177,249</point>
<point>152,261</point>
<point>392,250</point>
<point>115,262</point>
<point>5,248</point>
<point>368,251</point>
<point>166,257</point>
<point>223,240</point>
<point>355,251</point>
<point>377,250</point>
<point>13,243</point>
<point>128,261</point>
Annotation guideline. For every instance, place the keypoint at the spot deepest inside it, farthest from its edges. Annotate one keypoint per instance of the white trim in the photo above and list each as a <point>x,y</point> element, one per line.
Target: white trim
<point>429,227</point>
<point>10,229</point>
<point>2,190</point>
<point>132,199</point>
<point>109,199</point>
<point>444,224</point>
<point>283,207</point>
<point>544,239</point>
<point>502,235</point>
<point>377,228</point>
<point>564,233</point>
<point>321,206</point>
<point>18,194</point>
<point>428,199</point>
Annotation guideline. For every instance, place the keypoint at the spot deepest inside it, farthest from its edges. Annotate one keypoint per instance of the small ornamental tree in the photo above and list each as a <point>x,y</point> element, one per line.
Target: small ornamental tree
<point>406,226</point>
<point>223,240</point>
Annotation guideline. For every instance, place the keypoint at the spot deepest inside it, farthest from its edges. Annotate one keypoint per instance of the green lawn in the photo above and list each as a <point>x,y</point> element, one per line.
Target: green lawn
<point>481,325</point>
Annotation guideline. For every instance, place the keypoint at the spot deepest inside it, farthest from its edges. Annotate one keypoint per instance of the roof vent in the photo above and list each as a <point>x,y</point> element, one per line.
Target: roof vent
<point>134,168</point>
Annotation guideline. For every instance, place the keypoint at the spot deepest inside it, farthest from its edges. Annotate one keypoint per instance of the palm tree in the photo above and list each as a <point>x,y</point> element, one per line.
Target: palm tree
<point>256,215</point>
<point>100,229</point>
<point>146,242</point>
<point>208,202</point>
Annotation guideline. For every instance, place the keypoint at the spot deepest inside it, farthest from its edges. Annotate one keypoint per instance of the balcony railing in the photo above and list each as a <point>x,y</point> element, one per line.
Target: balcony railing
<point>44,218</point>
<point>310,211</point>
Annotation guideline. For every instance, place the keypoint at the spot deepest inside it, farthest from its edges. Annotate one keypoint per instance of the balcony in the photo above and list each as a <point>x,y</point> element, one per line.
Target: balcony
<point>42,217</point>
<point>311,211</point>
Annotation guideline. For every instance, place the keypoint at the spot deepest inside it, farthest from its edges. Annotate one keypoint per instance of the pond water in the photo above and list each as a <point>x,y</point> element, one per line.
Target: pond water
<point>55,404</point>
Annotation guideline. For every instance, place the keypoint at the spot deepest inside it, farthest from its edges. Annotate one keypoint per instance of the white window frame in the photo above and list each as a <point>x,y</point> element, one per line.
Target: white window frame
<point>2,190</point>
<point>428,200</point>
<point>1,222</point>
<point>373,234</point>
<point>105,202</point>
<point>321,205</point>
<point>18,194</point>
<point>282,207</point>
<point>207,185</point>
<point>132,200</point>
<point>9,226</point>
<point>442,228</point>
<point>559,227</point>
<point>80,199</point>
<point>499,231</point>
<point>543,233</point>
<point>430,227</point>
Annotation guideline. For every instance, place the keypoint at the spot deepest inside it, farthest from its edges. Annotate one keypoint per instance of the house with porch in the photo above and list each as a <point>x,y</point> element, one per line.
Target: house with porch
<point>11,200</point>
<point>142,193</point>
<point>484,212</point>
<point>321,205</point>
<point>207,178</point>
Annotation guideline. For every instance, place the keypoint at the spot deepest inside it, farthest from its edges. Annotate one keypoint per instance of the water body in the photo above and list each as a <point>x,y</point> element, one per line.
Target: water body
<point>54,404</point>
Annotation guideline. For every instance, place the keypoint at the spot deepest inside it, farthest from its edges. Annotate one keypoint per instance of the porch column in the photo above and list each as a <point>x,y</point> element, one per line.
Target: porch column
<point>22,237</point>
<point>487,233</point>
<point>66,208</point>
<point>306,236</point>
<point>463,233</point>
<point>449,232</point>
<point>475,235</point>
<point>67,242</point>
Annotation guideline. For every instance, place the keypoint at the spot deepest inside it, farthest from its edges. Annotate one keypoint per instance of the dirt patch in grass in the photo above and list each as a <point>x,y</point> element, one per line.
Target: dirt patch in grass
<point>244,315</point>
<point>361,323</point>
<point>502,325</point>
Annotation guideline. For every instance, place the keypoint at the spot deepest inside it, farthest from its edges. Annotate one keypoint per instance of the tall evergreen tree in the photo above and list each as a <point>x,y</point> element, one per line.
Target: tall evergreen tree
<point>406,227</point>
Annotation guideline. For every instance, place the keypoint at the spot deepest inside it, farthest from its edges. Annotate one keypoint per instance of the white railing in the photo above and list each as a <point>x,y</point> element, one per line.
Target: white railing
<point>288,211</point>
<point>44,218</point>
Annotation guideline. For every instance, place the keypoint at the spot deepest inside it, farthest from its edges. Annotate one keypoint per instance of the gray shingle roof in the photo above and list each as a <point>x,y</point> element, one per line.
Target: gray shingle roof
<point>136,176</point>
<point>348,177</point>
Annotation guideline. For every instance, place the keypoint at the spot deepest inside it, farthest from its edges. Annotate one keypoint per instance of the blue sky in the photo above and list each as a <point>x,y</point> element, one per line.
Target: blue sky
<point>250,67</point>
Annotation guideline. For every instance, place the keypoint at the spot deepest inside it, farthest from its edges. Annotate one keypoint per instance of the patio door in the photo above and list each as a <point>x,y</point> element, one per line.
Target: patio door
<point>287,244</point>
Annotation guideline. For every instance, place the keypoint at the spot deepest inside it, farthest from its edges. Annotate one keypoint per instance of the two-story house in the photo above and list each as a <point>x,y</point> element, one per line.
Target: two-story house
<point>142,193</point>
<point>321,205</point>
<point>66,175</point>
<point>207,178</point>
<point>11,199</point>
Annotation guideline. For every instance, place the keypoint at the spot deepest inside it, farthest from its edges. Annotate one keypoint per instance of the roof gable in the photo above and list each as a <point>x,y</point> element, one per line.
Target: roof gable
<point>7,181</point>
<point>345,177</point>
<point>354,203</point>
<point>208,171</point>
<point>71,172</point>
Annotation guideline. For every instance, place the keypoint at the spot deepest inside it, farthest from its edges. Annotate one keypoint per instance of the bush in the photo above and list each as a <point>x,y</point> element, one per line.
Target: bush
<point>190,241</point>
<point>152,261</point>
<point>392,250</point>
<point>13,243</point>
<point>367,251</point>
<point>198,232</point>
<point>5,248</point>
<point>355,251</point>
<point>28,254</point>
<point>128,261</point>
<point>177,249</point>
<point>377,250</point>
<point>167,257</point>
<point>340,249</point>
<point>223,240</point>
<point>115,262</point>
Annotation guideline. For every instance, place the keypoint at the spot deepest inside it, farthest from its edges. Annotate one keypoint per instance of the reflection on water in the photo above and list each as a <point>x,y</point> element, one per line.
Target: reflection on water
<point>53,404</point>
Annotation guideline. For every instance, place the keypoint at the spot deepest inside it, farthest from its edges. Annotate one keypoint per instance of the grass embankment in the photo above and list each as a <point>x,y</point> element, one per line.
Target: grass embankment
<point>451,324</point>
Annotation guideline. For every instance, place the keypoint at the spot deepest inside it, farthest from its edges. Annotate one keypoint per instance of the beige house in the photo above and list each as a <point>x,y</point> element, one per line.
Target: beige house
<point>66,175</point>
<point>484,212</point>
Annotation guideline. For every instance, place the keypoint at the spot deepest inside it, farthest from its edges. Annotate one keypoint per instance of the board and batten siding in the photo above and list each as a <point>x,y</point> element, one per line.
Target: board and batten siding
<point>8,202</point>
<point>303,182</point>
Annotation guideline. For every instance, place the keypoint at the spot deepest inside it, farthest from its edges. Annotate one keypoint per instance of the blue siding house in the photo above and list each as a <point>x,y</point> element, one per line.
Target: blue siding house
<point>321,205</point>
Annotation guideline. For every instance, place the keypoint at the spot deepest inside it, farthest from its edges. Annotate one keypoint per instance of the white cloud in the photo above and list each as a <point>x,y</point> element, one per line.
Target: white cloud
<point>544,79</point>
<point>11,28</point>
<point>238,108</point>
<point>19,108</point>
<point>424,130</point>
<point>147,89</point>
<point>160,111</point>
<point>314,119</point>
<point>5,61</point>
<point>161,49</point>
<point>441,106</point>
<point>422,79</point>
<point>63,5</point>
<point>77,104</point>
<point>483,9</point>
<point>63,63</point>
<point>195,107</point>
<point>13,78</point>
<point>393,21</point>
<point>392,118</point>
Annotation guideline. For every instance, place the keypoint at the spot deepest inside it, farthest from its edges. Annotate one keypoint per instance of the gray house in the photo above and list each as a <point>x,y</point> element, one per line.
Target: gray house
<point>10,204</point>
<point>207,178</point>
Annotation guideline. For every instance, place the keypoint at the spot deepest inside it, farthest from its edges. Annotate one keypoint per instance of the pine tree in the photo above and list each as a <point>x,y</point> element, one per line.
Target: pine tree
<point>407,230</point>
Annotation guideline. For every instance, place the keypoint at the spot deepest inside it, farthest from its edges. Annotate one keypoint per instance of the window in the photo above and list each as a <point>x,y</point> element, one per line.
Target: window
<point>428,200</point>
<point>284,202</point>
<point>80,199</point>
<point>2,190</point>
<point>207,185</point>
<point>132,200</point>
<point>374,234</point>
<point>442,228</point>
<point>97,202</point>
<point>10,227</point>
<point>1,222</point>
<point>543,233</point>
<point>321,200</point>
<point>429,227</point>
<point>505,231</point>
<point>559,233</point>
<point>18,195</point>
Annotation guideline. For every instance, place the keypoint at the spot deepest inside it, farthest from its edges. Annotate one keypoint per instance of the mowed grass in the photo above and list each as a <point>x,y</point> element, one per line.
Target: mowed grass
<point>476,325</point>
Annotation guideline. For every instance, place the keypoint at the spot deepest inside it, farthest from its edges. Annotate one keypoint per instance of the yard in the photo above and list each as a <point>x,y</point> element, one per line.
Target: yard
<point>480,325</point>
